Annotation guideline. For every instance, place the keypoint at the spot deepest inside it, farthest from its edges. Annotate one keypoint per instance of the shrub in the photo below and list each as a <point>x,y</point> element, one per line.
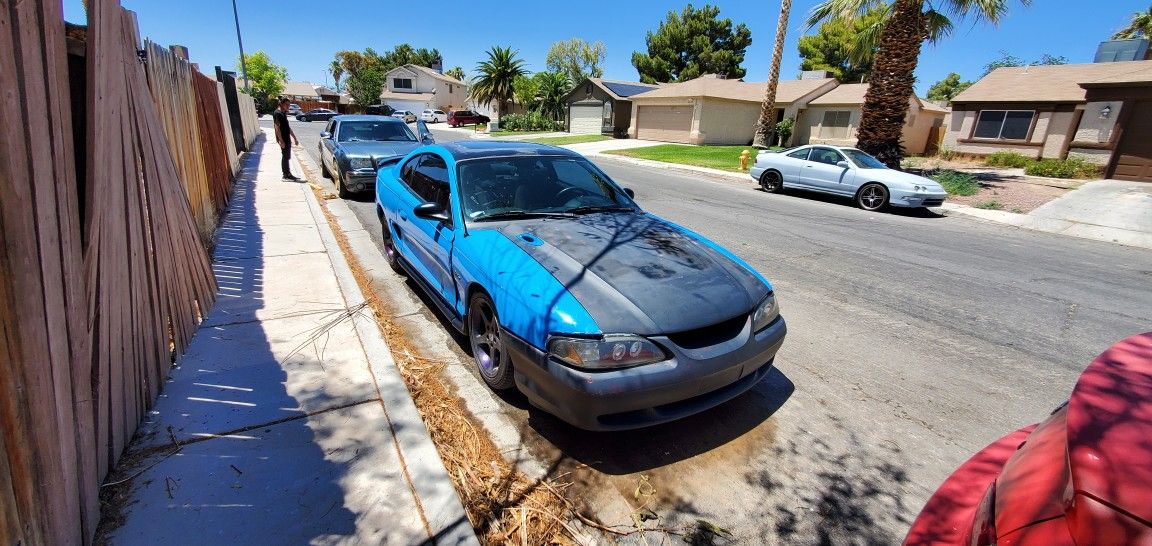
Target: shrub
<point>531,121</point>
<point>957,183</point>
<point>1062,168</point>
<point>1007,159</point>
<point>945,153</point>
<point>989,205</point>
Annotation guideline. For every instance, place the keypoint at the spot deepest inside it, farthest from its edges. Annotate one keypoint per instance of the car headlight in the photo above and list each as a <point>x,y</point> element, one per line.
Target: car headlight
<point>361,163</point>
<point>611,351</point>
<point>765,313</point>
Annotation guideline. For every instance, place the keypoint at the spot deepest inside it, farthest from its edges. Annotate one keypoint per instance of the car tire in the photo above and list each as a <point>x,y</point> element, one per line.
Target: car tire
<point>324,167</point>
<point>391,255</point>
<point>341,189</point>
<point>771,182</point>
<point>486,339</point>
<point>872,197</point>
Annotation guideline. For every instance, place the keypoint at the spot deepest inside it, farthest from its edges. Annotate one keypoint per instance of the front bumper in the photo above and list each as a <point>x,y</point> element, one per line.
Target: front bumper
<point>359,179</point>
<point>902,198</point>
<point>693,380</point>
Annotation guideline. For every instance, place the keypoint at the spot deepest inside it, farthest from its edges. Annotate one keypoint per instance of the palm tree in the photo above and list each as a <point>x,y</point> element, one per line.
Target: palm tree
<point>1139,27</point>
<point>906,27</point>
<point>455,72</point>
<point>495,77</point>
<point>551,89</point>
<point>766,125</point>
<point>337,71</point>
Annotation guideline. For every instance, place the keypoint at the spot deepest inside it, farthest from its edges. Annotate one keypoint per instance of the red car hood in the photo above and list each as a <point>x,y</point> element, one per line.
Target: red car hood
<point>1110,431</point>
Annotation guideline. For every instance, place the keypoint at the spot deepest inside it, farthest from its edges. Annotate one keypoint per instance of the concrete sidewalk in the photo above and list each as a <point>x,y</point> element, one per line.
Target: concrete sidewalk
<point>287,421</point>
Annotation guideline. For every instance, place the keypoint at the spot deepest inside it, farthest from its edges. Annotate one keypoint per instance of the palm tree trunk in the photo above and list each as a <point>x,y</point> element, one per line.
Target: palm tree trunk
<point>766,125</point>
<point>890,85</point>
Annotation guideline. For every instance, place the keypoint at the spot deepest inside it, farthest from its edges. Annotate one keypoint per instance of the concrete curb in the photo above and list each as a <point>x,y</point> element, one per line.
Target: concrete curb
<point>1057,226</point>
<point>430,482</point>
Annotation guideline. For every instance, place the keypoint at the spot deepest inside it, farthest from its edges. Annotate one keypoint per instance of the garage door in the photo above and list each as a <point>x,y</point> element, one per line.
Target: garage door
<point>1135,148</point>
<point>413,106</point>
<point>586,118</point>
<point>664,123</point>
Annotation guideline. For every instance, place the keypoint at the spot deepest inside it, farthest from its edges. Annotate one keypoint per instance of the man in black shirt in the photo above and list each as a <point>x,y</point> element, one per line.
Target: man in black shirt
<point>284,137</point>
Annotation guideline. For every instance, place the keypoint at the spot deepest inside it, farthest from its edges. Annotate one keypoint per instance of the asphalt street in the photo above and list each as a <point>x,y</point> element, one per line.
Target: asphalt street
<point>914,340</point>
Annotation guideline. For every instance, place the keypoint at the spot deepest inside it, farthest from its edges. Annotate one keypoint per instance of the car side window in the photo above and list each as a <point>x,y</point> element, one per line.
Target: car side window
<point>826,155</point>
<point>430,181</point>
<point>331,127</point>
<point>407,173</point>
<point>800,154</point>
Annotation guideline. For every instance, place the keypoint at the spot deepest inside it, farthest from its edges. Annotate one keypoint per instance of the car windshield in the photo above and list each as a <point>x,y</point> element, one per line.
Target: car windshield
<point>862,159</point>
<point>351,131</point>
<point>507,187</point>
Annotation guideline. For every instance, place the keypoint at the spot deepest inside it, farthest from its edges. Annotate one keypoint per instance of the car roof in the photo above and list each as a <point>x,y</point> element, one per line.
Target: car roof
<point>475,149</point>
<point>362,117</point>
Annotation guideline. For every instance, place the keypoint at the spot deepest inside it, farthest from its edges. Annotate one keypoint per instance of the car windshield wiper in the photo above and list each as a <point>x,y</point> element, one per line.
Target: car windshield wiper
<point>610,208</point>
<point>523,214</point>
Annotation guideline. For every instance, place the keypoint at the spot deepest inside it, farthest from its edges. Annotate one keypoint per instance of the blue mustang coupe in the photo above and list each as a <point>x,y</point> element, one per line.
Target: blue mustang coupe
<point>602,314</point>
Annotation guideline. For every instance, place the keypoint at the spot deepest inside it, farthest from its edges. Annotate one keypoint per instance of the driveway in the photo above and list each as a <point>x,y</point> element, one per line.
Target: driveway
<point>914,340</point>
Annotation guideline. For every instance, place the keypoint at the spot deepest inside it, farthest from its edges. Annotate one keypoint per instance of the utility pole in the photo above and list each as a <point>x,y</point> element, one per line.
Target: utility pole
<point>239,40</point>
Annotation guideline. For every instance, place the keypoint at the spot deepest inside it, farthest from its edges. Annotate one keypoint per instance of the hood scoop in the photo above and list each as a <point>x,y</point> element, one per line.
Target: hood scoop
<point>530,239</point>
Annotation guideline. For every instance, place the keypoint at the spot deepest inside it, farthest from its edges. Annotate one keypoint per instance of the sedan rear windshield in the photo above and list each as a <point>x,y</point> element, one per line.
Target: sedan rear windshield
<point>352,131</point>
<point>862,159</point>
<point>540,185</point>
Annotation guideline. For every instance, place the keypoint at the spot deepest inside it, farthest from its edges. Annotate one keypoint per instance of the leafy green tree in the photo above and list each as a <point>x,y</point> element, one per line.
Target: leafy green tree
<point>1139,27</point>
<point>692,43</point>
<point>948,87</point>
<point>1008,60</point>
<point>907,25</point>
<point>367,85</point>
<point>524,91</point>
<point>495,77</point>
<point>265,79</point>
<point>455,72</point>
<point>836,47</point>
<point>576,59</point>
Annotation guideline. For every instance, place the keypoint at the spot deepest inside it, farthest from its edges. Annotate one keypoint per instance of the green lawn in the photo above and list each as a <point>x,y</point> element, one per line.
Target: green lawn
<point>514,133</point>
<point>717,157</point>
<point>570,139</point>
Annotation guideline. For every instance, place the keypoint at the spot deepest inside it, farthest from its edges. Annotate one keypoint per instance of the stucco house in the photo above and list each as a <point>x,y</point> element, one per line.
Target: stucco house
<point>599,106</point>
<point>832,118</point>
<point>1100,112</point>
<point>305,91</point>
<point>415,88</point>
<point>713,110</point>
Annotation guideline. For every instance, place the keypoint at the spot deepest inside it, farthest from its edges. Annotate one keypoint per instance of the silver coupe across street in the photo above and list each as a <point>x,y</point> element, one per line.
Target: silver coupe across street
<point>845,171</point>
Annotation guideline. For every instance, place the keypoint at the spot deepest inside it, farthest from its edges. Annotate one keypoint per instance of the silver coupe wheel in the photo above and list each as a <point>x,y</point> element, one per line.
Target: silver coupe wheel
<point>487,343</point>
<point>771,182</point>
<point>872,197</point>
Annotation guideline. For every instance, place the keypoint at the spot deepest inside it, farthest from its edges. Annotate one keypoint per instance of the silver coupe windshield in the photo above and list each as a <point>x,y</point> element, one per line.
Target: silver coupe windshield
<point>537,186</point>
<point>862,159</point>
<point>352,131</point>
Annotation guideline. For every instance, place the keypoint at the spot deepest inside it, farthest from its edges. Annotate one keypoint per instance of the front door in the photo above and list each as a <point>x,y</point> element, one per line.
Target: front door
<point>430,241</point>
<point>1134,152</point>
<point>821,172</point>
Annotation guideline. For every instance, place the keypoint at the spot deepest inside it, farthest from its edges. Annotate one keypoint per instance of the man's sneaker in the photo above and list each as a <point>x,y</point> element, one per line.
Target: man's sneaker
<point>291,178</point>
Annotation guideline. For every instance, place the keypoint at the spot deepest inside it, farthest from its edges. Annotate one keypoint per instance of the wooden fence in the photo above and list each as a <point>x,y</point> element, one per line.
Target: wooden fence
<point>104,275</point>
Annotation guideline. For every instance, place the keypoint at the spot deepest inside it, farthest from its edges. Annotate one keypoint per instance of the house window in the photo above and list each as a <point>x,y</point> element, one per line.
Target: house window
<point>402,83</point>
<point>835,124</point>
<point>1003,124</point>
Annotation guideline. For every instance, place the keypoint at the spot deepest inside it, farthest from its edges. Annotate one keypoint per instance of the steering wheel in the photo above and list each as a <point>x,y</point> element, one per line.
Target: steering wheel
<point>569,189</point>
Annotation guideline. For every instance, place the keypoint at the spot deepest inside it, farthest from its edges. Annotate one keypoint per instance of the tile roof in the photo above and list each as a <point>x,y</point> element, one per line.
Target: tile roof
<point>392,95</point>
<point>434,74</point>
<point>299,89</point>
<point>1056,83</point>
<point>710,86</point>
<point>845,93</point>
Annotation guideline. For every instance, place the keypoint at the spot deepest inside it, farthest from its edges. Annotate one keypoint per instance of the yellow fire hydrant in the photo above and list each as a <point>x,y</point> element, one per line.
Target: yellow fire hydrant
<point>744,160</point>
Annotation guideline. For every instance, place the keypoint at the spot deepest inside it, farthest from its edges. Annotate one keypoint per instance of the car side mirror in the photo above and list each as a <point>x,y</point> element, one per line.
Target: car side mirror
<point>843,165</point>
<point>325,134</point>
<point>631,194</point>
<point>431,211</point>
<point>423,133</point>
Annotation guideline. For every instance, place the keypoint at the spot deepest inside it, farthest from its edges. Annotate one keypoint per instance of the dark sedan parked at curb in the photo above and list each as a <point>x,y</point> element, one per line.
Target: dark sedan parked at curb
<point>351,147</point>
<point>318,114</point>
<point>457,118</point>
<point>602,314</point>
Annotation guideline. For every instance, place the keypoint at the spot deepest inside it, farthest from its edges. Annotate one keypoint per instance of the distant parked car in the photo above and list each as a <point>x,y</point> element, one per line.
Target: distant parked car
<point>433,116</point>
<point>1080,477</point>
<point>840,170</point>
<point>351,148</point>
<point>379,110</point>
<point>317,114</point>
<point>457,118</point>
<point>293,109</point>
<point>407,115</point>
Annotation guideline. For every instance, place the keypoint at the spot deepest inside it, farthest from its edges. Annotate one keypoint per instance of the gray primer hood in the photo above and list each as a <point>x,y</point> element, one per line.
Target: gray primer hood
<point>643,276</point>
<point>377,149</point>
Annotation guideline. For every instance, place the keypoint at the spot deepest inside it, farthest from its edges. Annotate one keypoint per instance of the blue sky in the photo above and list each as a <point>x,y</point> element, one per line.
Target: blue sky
<point>303,36</point>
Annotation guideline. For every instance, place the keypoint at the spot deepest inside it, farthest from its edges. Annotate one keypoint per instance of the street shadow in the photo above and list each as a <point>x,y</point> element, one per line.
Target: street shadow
<point>264,431</point>
<point>847,202</point>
